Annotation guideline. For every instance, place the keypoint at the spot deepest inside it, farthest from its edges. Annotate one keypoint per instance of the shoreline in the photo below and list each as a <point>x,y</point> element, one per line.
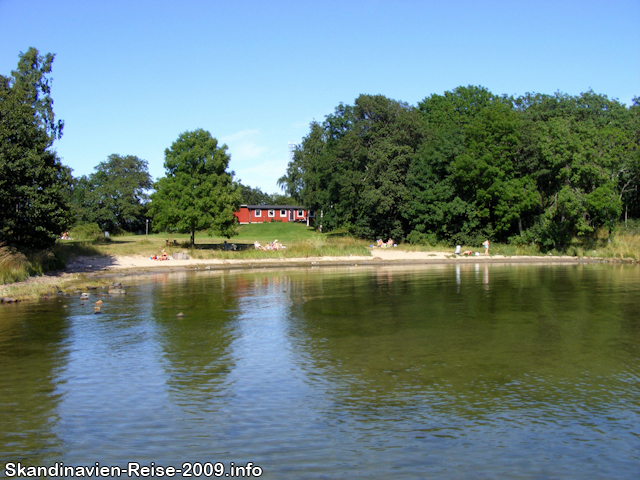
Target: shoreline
<point>107,265</point>
<point>85,272</point>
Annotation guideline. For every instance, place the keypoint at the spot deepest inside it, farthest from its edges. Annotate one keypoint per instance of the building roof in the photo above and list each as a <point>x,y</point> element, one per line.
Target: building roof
<point>274,207</point>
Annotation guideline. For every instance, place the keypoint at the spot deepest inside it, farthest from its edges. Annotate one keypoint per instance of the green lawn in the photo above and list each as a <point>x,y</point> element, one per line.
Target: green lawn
<point>247,234</point>
<point>300,241</point>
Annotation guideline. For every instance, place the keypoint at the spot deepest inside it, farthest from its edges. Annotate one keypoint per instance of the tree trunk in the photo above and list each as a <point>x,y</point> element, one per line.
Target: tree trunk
<point>193,237</point>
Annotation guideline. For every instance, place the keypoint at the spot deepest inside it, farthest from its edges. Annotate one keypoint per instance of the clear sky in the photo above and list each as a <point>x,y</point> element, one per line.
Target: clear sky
<point>129,76</point>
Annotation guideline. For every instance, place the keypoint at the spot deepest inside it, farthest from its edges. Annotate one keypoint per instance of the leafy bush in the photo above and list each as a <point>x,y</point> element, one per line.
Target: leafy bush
<point>418,238</point>
<point>86,231</point>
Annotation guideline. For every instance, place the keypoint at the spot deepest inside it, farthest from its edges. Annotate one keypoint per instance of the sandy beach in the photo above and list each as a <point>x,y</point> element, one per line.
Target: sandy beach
<point>135,264</point>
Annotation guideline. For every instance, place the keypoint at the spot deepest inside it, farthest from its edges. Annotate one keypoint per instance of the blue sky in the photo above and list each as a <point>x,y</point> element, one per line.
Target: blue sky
<point>130,76</point>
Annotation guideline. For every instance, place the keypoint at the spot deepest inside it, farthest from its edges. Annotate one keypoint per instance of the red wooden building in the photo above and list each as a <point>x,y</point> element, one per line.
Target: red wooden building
<point>270,213</point>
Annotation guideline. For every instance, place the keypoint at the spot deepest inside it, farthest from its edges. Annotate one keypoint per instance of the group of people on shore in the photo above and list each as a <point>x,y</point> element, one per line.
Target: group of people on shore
<point>269,246</point>
<point>388,243</point>
<point>162,256</point>
<point>485,244</point>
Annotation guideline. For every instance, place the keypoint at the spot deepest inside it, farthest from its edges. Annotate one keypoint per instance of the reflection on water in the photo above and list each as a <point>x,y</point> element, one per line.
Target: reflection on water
<point>33,350</point>
<point>452,371</point>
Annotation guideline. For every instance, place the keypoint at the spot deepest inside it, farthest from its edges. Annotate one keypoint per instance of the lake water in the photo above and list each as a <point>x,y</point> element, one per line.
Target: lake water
<point>450,372</point>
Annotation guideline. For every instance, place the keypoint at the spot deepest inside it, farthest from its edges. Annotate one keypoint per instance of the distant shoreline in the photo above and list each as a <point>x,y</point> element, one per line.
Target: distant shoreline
<point>134,265</point>
<point>84,272</point>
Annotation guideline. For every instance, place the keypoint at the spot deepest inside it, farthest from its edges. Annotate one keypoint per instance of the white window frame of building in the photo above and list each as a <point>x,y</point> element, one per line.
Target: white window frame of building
<point>271,213</point>
<point>312,213</point>
<point>283,213</point>
<point>258,213</point>
<point>300,213</point>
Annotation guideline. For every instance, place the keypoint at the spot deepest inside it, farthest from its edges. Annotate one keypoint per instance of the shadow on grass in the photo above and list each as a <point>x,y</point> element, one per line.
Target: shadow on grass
<point>115,241</point>
<point>338,234</point>
<point>221,246</point>
<point>71,249</point>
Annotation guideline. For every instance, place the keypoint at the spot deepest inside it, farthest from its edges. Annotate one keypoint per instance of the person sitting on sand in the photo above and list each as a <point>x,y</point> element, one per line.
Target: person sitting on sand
<point>163,256</point>
<point>380,243</point>
<point>390,243</point>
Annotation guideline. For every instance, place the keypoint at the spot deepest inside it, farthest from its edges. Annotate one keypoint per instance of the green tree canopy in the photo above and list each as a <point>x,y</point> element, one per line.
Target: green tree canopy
<point>253,196</point>
<point>197,192</point>
<point>469,165</point>
<point>115,196</point>
<point>34,185</point>
<point>352,167</point>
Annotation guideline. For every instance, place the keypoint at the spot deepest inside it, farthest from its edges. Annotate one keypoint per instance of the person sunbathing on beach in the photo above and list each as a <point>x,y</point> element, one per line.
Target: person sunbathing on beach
<point>380,243</point>
<point>163,256</point>
<point>389,243</point>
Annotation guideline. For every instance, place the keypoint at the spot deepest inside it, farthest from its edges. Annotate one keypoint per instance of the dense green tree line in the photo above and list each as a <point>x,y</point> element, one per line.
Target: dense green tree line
<point>255,196</point>
<point>469,165</point>
<point>458,167</point>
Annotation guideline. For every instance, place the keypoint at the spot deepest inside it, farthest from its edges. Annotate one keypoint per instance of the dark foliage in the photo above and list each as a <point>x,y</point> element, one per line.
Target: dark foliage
<point>470,165</point>
<point>34,185</point>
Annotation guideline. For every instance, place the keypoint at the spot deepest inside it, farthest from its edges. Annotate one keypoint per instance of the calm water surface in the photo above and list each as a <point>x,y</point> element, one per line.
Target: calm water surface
<point>448,372</point>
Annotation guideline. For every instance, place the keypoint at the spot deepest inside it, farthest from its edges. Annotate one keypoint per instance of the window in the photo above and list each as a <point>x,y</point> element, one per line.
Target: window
<point>301,213</point>
<point>258,213</point>
<point>283,213</point>
<point>272,213</point>
<point>312,213</point>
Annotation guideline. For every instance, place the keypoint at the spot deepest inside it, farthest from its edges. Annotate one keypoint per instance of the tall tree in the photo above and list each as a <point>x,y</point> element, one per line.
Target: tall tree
<point>31,78</point>
<point>115,195</point>
<point>352,167</point>
<point>197,192</point>
<point>34,185</point>
<point>463,183</point>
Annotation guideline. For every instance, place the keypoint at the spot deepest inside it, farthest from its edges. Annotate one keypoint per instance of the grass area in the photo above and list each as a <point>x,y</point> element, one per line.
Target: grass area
<point>300,240</point>
<point>623,246</point>
<point>495,249</point>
